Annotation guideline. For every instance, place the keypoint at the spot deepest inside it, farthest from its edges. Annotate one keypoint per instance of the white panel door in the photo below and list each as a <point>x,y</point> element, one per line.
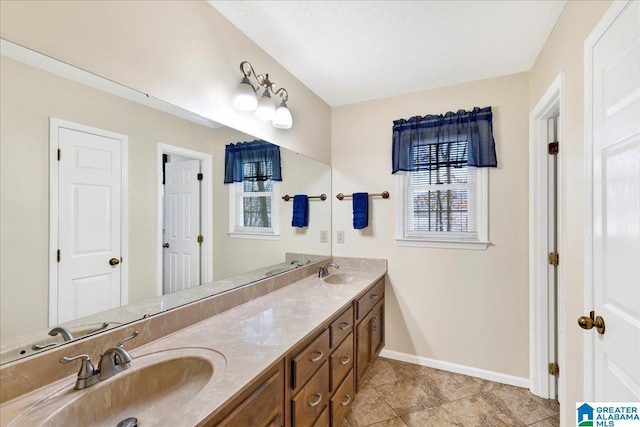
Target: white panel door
<point>616,206</point>
<point>181,267</point>
<point>89,215</point>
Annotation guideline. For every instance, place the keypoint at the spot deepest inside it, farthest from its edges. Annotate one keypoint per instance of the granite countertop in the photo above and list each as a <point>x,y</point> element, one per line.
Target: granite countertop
<point>250,337</point>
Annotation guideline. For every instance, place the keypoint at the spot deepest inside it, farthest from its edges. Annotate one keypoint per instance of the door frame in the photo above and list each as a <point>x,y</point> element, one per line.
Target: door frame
<point>589,291</point>
<point>54,126</point>
<point>541,315</point>
<point>206,212</point>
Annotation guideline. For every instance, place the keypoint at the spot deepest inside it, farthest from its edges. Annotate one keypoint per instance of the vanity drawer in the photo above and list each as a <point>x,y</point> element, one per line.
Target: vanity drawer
<point>312,398</point>
<point>368,300</point>
<point>341,361</point>
<point>341,327</point>
<point>264,406</point>
<point>309,359</point>
<point>342,400</point>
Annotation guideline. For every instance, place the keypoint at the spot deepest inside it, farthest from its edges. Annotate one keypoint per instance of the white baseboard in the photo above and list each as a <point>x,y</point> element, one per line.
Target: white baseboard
<point>458,369</point>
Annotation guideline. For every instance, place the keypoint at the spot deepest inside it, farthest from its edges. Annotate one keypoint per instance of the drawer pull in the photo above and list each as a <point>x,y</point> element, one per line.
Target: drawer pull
<point>319,356</point>
<point>344,325</point>
<point>374,324</point>
<point>374,296</point>
<point>344,360</point>
<point>318,400</point>
<point>347,401</point>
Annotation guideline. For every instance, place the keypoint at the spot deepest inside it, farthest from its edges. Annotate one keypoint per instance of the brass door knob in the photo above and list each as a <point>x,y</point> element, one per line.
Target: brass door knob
<point>114,261</point>
<point>585,322</point>
<point>589,322</point>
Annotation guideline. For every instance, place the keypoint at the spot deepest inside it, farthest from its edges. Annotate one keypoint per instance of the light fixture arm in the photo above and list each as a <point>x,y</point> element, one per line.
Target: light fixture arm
<point>262,80</point>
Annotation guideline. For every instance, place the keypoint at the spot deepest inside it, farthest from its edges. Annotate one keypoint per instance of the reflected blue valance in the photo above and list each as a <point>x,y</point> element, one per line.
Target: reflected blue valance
<point>242,157</point>
<point>457,139</point>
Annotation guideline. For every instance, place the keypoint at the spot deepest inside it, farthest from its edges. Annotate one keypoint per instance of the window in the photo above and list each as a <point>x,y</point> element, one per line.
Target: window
<point>445,207</point>
<point>443,200</point>
<point>254,190</point>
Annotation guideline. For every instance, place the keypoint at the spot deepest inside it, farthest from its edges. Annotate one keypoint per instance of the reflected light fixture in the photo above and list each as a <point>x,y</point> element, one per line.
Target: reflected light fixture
<point>245,98</point>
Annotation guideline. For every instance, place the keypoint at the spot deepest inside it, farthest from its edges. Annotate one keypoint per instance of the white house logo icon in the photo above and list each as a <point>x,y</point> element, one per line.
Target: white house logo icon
<point>585,415</point>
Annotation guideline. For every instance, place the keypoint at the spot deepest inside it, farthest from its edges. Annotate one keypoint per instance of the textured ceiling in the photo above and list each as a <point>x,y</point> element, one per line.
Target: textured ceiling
<point>352,51</point>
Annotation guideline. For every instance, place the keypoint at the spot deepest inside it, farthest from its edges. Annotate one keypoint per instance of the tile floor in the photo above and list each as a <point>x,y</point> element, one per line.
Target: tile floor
<point>398,394</point>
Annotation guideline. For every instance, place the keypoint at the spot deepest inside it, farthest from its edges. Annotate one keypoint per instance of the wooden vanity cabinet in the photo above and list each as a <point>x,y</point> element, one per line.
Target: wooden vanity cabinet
<point>316,383</point>
<point>318,366</point>
<point>260,405</point>
<point>369,330</point>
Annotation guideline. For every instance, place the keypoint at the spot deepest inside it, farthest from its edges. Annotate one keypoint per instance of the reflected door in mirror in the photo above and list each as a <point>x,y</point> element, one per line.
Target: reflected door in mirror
<point>90,220</point>
<point>181,269</point>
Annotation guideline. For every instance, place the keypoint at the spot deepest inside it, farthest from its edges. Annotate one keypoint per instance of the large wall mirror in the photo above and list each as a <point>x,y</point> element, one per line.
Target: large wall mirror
<point>45,105</point>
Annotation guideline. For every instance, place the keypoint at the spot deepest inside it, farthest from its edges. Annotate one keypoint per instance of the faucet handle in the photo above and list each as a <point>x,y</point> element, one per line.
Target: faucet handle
<point>132,336</point>
<point>86,369</point>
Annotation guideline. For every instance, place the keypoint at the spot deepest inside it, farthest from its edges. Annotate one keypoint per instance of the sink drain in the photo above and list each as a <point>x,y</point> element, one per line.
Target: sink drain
<point>128,422</point>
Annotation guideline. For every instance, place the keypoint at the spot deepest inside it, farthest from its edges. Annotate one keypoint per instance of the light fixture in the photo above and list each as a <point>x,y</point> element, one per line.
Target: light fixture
<point>282,119</point>
<point>245,98</point>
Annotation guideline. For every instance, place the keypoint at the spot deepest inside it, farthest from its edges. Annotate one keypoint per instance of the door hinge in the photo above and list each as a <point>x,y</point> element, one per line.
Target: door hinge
<point>200,177</point>
<point>58,255</point>
<point>554,147</point>
<point>200,239</point>
<point>554,369</point>
<point>59,154</point>
<point>554,259</point>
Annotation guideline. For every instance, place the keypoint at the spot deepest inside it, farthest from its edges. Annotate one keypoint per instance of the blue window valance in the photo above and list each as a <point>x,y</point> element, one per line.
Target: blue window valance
<point>457,139</point>
<point>236,156</point>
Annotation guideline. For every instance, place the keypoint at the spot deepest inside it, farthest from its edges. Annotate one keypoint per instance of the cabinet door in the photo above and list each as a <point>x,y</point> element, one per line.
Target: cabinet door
<point>377,330</point>
<point>363,356</point>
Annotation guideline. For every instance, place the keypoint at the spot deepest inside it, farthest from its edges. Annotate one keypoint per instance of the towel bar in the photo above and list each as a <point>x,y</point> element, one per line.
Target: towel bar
<point>287,197</point>
<point>384,195</point>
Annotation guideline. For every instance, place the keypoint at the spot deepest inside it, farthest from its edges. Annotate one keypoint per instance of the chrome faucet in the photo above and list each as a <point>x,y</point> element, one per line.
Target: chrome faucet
<point>299,263</point>
<point>113,361</point>
<point>66,334</point>
<point>324,271</point>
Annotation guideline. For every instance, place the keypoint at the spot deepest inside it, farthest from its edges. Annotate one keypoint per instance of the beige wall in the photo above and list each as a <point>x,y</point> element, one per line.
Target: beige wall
<point>29,97</point>
<point>563,52</point>
<point>459,306</point>
<point>183,52</point>
<point>300,175</point>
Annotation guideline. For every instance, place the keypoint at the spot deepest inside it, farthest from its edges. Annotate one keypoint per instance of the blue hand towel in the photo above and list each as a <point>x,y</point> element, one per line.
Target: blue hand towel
<point>360,210</point>
<point>300,211</point>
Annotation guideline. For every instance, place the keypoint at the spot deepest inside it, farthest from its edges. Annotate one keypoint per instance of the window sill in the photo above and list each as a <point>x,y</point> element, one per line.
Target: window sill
<point>255,236</point>
<point>444,244</point>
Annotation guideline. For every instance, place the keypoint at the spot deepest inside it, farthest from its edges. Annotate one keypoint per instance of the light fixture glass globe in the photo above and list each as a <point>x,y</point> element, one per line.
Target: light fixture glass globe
<point>266,109</point>
<point>282,119</point>
<point>244,98</point>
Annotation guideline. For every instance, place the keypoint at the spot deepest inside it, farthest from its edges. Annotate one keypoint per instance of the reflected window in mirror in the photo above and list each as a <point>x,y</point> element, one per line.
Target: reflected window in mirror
<point>253,171</point>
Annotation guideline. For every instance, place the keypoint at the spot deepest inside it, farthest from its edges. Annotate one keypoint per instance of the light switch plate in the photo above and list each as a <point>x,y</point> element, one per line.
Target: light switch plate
<point>340,236</point>
<point>323,236</point>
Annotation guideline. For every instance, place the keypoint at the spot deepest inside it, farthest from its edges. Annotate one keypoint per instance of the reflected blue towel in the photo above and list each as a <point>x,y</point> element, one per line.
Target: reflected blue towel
<point>300,211</point>
<point>360,210</point>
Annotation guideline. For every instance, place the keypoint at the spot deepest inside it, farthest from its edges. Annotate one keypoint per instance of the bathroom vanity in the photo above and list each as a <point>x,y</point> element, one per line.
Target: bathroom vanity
<point>316,382</point>
<point>294,355</point>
